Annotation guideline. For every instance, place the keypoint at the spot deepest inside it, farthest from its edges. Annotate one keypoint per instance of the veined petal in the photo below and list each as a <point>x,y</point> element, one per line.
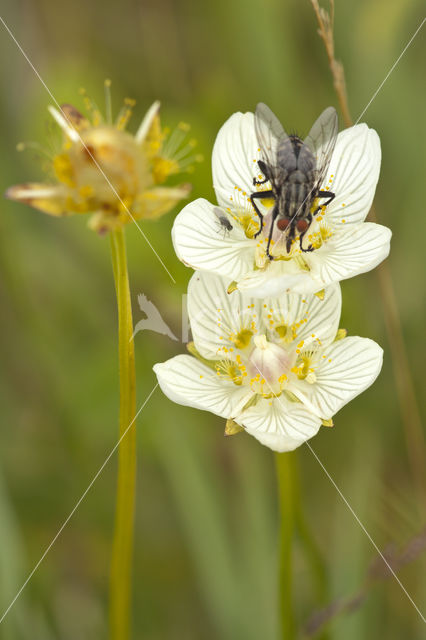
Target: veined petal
<point>351,250</point>
<point>187,381</point>
<point>355,168</point>
<point>235,155</point>
<point>279,277</point>
<point>217,318</point>
<point>50,199</point>
<point>201,243</point>
<point>305,317</point>
<point>348,367</point>
<point>280,424</point>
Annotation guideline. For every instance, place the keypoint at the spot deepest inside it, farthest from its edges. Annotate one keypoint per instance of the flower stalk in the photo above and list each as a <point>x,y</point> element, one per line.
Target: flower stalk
<point>117,178</point>
<point>286,476</point>
<point>313,554</point>
<point>121,564</point>
<point>293,523</point>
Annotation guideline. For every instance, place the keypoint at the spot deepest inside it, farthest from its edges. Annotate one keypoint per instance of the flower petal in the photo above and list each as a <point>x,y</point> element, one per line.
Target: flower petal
<point>185,380</point>
<point>216,316</point>
<point>279,277</point>
<point>201,243</point>
<point>355,168</point>
<point>50,199</point>
<point>280,424</point>
<point>348,367</point>
<point>234,158</point>
<point>66,125</point>
<point>351,250</point>
<point>147,122</point>
<point>314,320</point>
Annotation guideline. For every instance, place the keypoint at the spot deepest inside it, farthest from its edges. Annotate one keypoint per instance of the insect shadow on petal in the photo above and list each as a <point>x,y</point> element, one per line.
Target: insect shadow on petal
<point>295,169</point>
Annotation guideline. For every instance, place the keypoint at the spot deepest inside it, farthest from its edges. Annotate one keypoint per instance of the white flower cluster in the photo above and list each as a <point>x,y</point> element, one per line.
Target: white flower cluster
<point>268,355</point>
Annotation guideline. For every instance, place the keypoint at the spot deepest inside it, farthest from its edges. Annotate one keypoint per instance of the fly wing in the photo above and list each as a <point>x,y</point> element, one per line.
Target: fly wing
<point>269,133</point>
<point>321,140</point>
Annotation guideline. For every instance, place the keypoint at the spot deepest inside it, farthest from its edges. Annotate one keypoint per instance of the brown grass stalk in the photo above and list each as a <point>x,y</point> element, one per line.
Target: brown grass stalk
<point>410,413</point>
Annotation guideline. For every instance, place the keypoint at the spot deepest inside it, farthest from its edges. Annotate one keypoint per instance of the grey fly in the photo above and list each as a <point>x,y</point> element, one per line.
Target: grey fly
<point>295,169</point>
<point>225,225</point>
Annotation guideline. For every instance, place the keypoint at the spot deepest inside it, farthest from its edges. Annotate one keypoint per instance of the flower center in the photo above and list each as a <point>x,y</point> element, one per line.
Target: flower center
<point>268,367</point>
<point>304,366</point>
<point>314,235</point>
<point>120,160</point>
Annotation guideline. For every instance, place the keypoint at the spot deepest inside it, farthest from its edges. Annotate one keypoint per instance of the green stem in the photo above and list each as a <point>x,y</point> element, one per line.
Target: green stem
<point>121,565</point>
<point>313,555</point>
<point>286,486</point>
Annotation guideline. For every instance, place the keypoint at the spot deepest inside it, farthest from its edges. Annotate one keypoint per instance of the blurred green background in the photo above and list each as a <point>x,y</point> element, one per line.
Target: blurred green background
<point>206,522</point>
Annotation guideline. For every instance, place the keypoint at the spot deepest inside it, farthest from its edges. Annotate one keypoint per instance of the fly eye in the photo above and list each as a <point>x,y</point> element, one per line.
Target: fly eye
<point>283,223</point>
<point>302,225</point>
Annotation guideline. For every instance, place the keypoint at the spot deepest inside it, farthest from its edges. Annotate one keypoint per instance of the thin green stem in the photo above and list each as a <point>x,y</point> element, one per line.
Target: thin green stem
<point>286,489</point>
<point>313,554</point>
<point>121,565</point>
<point>312,551</point>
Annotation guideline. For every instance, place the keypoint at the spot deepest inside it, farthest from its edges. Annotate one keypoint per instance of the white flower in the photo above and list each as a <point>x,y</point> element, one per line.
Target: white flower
<point>271,366</point>
<point>344,245</point>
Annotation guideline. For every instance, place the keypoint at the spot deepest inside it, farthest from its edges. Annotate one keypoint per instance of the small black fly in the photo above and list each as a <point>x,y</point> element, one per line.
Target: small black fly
<point>223,220</point>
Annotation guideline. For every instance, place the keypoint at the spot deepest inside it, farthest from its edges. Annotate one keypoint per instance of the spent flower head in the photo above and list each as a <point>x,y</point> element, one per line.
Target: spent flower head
<point>102,169</point>
<point>277,368</point>
<point>340,243</point>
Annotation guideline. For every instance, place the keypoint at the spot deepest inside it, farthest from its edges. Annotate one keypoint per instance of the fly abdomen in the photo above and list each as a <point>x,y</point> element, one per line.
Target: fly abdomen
<point>296,196</point>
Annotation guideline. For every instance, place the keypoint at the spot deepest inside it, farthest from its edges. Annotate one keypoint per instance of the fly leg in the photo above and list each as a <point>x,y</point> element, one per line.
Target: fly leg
<point>308,249</point>
<point>271,230</point>
<point>320,194</point>
<point>303,233</point>
<point>264,169</point>
<point>290,237</point>
<point>324,194</point>
<point>259,195</point>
